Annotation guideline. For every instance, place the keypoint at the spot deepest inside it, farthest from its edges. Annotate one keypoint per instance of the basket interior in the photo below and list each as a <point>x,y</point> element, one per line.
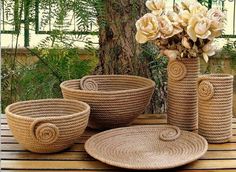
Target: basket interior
<point>53,108</point>
<point>114,83</point>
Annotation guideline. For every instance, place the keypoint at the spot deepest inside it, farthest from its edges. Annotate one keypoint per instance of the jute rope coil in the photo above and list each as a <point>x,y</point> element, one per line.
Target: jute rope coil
<point>146,147</point>
<point>47,125</point>
<point>215,94</point>
<point>88,84</point>
<point>182,93</point>
<point>118,101</point>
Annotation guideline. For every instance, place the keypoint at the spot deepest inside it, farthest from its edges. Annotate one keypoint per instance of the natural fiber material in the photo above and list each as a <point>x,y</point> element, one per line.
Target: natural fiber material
<point>118,101</point>
<point>146,147</point>
<point>49,125</point>
<point>215,94</point>
<point>182,93</point>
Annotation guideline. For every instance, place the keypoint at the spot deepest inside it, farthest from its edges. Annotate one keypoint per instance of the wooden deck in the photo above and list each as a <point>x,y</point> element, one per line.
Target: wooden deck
<point>219,158</point>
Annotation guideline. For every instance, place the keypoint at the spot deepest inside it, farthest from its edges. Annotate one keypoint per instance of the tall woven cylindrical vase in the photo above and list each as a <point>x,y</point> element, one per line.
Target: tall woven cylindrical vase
<point>215,105</point>
<point>182,93</point>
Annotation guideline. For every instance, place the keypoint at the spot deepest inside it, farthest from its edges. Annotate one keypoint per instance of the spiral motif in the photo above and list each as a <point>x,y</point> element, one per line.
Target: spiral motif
<point>177,70</point>
<point>88,84</point>
<point>205,90</point>
<point>170,133</point>
<point>45,133</point>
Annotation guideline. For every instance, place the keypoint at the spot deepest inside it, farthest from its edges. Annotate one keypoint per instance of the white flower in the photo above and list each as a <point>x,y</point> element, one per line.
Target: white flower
<point>185,16</point>
<point>186,3</point>
<point>199,28</point>
<point>147,28</point>
<point>217,17</point>
<point>208,50</point>
<point>171,54</point>
<point>156,6</point>
<point>167,28</point>
<point>197,8</point>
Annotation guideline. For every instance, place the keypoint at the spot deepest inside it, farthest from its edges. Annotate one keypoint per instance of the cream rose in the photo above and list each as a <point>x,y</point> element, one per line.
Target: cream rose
<point>217,17</point>
<point>171,54</point>
<point>166,27</point>
<point>147,28</point>
<point>199,28</point>
<point>208,50</point>
<point>186,3</point>
<point>197,8</point>
<point>185,16</point>
<point>174,18</point>
<point>156,6</point>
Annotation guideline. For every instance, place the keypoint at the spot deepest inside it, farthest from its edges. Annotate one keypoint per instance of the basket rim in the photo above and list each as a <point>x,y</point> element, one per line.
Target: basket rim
<point>219,76</point>
<point>152,85</point>
<point>85,111</point>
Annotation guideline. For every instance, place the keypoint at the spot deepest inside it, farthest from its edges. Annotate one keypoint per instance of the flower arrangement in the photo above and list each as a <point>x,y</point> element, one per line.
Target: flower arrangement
<point>187,31</point>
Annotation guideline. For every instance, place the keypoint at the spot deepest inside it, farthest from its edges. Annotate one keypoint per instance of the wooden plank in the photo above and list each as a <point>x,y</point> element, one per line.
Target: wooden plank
<point>18,147</point>
<point>116,170</point>
<point>80,147</point>
<point>66,156</point>
<point>212,164</point>
<point>60,165</point>
<point>121,170</point>
<point>82,156</point>
<point>220,155</point>
<point>83,139</point>
<point>90,165</point>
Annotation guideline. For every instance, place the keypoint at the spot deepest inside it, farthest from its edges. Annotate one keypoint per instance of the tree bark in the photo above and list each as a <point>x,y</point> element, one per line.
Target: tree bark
<point>119,53</point>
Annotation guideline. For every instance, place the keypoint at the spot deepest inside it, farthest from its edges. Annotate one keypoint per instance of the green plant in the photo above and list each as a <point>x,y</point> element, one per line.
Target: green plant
<point>58,57</point>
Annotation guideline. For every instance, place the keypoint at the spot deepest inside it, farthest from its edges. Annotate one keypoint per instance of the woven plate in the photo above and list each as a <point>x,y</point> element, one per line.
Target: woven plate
<point>146,147</point>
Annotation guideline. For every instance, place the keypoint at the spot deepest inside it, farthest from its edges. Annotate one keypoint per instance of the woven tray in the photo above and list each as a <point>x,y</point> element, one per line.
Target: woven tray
<point>146,147</point>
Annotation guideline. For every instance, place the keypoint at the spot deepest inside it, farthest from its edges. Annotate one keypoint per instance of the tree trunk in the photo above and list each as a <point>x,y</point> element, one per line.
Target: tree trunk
<point>119,52</point>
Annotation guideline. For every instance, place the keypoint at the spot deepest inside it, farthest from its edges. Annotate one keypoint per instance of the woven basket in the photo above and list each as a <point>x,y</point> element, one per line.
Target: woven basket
<point>115,100</point>
<point>182,93</point>
<point>146,147</point>
<point>215,105</point>
<point>46,126</point>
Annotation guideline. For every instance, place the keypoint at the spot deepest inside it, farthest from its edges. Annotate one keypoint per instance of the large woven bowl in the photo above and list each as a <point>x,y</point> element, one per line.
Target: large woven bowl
<point>46,126</point>
<point>115,100</point>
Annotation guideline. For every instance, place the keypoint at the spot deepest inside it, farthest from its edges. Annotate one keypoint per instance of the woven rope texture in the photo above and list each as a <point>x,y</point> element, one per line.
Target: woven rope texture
<point>146,147</point>
<point>215,94</point>
<point>47,125</point>
<point>118,101</point>
<point>182,93</point>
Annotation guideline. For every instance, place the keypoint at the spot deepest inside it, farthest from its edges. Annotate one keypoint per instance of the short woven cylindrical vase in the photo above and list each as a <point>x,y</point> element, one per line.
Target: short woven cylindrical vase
<point>182,93</point>
<point>115,100</point>
<point>47,125</point>
<point>215,93</point>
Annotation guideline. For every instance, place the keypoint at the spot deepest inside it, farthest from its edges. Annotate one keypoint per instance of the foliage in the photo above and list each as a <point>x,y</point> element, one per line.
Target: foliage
<point>158,70</point>
<point>42,78</point>
<point>57,59</point>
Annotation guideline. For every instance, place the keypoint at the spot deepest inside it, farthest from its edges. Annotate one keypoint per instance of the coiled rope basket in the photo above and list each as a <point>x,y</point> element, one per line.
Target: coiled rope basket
<point>47,125</point>
<point>182,93</point>
<point>115,100</point>
<point>215,93</point>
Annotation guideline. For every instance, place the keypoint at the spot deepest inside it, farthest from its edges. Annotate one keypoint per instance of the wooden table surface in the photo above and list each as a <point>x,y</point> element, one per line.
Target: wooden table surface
<point>219,158</point>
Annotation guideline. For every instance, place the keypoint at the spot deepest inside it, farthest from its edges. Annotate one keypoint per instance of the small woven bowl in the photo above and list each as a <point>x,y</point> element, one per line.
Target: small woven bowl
<point>47,125</point>
<point>115,100</point>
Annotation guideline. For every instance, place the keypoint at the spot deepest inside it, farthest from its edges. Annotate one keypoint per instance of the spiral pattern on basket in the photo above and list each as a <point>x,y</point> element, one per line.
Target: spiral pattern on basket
<point>46,133</point>
<point>177,70</point>
<point>205,90</point>
<point>170,134</point>
<point>88,84</point>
